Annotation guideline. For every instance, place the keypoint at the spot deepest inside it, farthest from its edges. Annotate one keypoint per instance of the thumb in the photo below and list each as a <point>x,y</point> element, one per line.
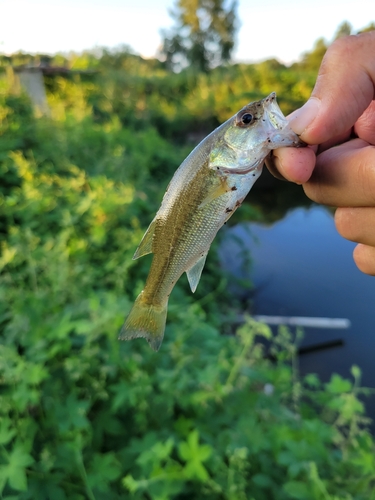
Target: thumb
<point>344,89</point>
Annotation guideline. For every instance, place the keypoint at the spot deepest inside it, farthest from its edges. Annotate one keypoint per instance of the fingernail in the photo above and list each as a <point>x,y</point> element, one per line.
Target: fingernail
<point>300,120</point>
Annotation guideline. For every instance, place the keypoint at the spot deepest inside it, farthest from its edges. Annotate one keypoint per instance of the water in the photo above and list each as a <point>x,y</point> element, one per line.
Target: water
<point>300,266</point>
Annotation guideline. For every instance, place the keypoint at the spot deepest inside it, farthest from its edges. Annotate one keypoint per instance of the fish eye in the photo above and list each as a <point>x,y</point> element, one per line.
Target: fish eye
<point>247,118</point>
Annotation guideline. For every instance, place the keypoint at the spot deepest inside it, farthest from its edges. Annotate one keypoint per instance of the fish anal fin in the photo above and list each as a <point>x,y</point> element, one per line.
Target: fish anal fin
<point>145,246</point>
<point>194,273</point>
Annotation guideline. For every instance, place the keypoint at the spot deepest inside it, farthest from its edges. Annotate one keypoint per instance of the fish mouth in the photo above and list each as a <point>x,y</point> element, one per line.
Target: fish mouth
<point>284,138</point>
<point>280,133</point>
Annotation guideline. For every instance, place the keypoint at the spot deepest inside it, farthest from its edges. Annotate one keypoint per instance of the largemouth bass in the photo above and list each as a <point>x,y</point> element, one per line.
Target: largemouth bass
<point>204,192</point>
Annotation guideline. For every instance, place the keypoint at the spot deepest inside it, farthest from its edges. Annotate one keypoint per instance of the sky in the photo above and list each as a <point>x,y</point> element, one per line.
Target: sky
<point>283,29</point>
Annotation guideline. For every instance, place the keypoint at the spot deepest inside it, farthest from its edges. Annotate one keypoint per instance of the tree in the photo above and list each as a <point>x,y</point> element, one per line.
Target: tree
<point>370,27</point>
<point>311,60</point>
<point>203,35</point>
<point>344,29</point>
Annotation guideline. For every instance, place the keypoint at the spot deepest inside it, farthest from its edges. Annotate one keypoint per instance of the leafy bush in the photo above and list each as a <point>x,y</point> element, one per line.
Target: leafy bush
<point>84,416</point>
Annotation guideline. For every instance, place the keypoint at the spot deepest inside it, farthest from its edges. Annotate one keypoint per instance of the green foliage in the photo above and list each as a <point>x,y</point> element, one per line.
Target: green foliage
<point>86,417</point>
<point>141,94</point>
<point>313,59</point>
<point>83,416</point>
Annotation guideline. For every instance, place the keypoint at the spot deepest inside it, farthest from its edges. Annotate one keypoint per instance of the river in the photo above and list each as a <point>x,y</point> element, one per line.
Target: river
<point>302,272</point>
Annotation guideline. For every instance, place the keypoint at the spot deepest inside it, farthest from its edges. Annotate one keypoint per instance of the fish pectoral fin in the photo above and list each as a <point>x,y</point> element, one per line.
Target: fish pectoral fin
<point>216,193</point>
<point>145,246</point>
<point>194,273</point>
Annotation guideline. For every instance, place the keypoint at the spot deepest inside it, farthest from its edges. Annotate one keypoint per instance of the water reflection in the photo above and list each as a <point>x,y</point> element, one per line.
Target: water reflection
<point>300,266</point>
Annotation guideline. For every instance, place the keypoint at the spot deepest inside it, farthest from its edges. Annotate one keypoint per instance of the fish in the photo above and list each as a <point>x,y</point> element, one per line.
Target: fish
<point>206,189</point>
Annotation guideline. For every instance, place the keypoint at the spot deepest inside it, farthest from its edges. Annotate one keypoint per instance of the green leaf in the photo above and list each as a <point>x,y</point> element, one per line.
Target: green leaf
<point>312,380</point>
<point>338,385</point>
<point>71,414</point>
<point>194,454</point>
<point>130,483</point>
<point>6,432</point>
<point>103,469</point>
<point>297,489</point>
<point>191,450</point>
<point>14,471</point>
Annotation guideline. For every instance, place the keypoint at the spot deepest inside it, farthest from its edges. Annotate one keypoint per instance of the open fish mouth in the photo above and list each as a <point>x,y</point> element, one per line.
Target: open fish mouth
<point>280,133</point>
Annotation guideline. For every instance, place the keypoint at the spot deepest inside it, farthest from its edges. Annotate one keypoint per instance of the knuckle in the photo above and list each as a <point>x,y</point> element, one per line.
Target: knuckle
<point>313,190</point>
<point>317,187</point>
<point>343,46</point>
<point>366,173</point>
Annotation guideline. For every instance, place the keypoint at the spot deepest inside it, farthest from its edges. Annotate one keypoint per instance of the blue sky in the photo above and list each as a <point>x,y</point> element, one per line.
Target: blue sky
<point>269,28</point>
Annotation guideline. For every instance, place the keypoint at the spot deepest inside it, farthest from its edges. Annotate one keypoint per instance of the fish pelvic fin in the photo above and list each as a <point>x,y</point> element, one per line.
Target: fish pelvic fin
<point>145,246</point>
<point>145,321</point>
<point>194,273</point>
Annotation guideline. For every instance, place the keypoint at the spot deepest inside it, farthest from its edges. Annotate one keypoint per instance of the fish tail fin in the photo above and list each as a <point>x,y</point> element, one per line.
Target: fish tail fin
<point>145,321</point>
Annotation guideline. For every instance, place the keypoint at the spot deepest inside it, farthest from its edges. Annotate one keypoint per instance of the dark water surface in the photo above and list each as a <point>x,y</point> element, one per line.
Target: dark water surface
<point>300,266</point>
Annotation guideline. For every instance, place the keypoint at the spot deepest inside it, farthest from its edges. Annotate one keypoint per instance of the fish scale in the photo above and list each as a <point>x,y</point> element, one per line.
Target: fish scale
<point>204,192</point>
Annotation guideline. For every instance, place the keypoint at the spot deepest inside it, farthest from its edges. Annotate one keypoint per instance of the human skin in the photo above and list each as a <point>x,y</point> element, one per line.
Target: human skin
<point>338,121</point>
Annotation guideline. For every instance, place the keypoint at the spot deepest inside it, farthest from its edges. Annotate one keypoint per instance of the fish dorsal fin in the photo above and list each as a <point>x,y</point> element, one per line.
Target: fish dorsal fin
<point>194,273</point>
<point>145,246</point>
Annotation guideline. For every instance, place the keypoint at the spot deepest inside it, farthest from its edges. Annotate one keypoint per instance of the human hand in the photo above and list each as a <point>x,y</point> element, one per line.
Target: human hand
<point>339,120</point>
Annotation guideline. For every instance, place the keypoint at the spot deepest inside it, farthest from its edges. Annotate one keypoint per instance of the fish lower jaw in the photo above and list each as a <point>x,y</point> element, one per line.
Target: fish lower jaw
<point>243,170</point>
<point>285,138</point>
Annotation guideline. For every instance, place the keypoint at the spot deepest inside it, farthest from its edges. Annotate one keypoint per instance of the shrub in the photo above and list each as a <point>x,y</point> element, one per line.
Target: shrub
<point>84,416</point>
